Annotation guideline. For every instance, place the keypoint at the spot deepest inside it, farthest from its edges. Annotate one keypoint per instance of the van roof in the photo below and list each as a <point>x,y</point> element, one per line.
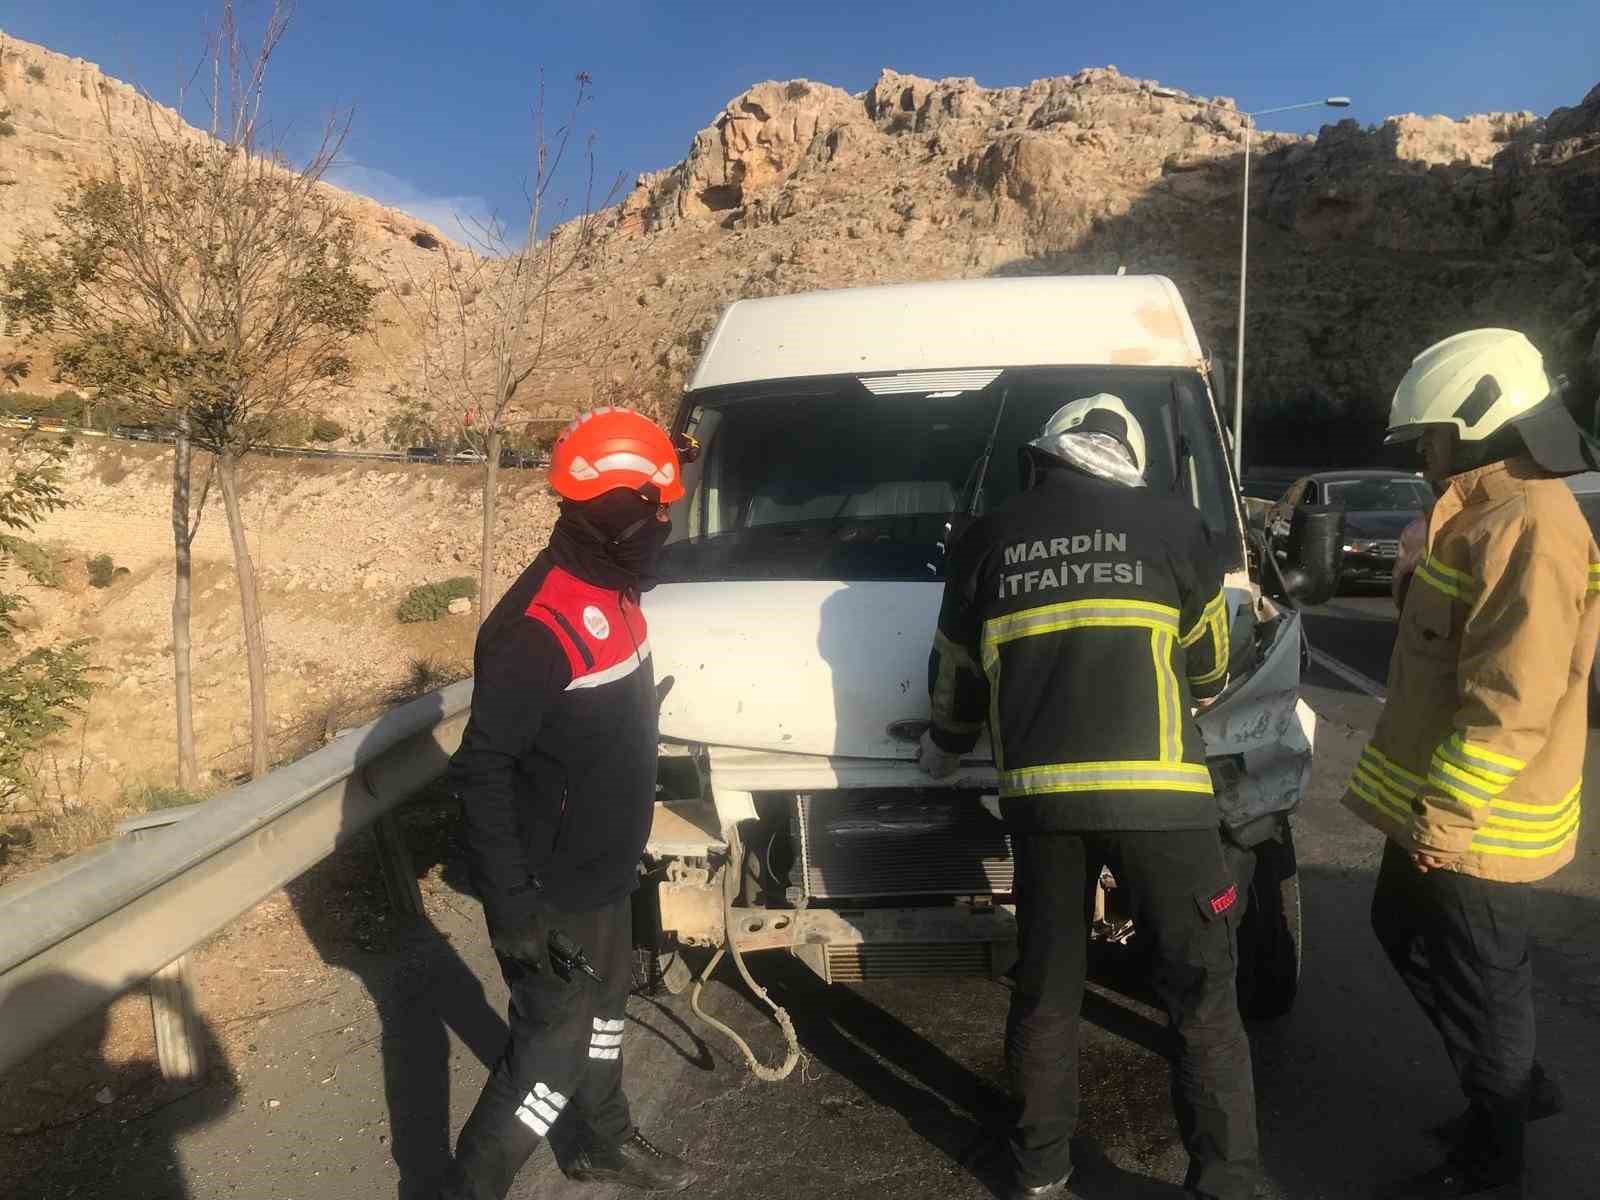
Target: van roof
<point>1041,320</point>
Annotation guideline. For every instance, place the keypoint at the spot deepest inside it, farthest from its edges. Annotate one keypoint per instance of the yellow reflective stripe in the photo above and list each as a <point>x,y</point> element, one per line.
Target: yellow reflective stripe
<point>1169,701</point>
<point>1499,844</point>
<point>1517,806</point>
<point>1378,799</point>
<point>957,652</point>
<point>1540,835</point>
<point>1482,759</point>
<point>993,670</point>
<point>1393,769</point>
<point>1594,577</point>
<point>1457,585</point>
<point>1074,614</point>
<point>1375,782</point>
<point>1107,776</point>
<point>953,658</point>
<point>1458,783</point>
<point>1217,604</point>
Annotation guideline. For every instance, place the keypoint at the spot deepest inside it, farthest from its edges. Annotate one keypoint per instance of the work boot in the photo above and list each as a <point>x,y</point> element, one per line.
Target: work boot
<point>1545,1099</point>
<point>635,1163</point>
<point>1456,1181</point>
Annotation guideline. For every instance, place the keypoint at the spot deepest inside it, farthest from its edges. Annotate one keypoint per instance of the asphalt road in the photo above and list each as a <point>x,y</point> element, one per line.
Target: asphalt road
<point>1357,629</point>
<point>356,1097</point>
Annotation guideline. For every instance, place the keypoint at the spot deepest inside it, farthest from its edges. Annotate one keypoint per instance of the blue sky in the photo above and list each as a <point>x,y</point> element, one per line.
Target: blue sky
<point>442,91</point>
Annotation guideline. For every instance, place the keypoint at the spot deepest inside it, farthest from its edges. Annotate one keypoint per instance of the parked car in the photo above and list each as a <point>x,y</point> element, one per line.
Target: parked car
<point>468,454</point>
<point>522,458</point>
<point>422,454</point>
<point>1378,506</point>
<point>138,433</point>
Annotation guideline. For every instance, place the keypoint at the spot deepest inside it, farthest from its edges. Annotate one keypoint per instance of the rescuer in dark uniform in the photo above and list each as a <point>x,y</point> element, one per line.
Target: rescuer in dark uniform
<point>1082,621</point>
<point>556,774</point>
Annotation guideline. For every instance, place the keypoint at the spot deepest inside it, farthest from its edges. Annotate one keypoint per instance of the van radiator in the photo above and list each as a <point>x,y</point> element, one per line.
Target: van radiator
<point>881,842</point>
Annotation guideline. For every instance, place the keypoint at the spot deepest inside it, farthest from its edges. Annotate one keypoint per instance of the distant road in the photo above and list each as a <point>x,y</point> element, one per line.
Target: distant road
<point>273,451</point>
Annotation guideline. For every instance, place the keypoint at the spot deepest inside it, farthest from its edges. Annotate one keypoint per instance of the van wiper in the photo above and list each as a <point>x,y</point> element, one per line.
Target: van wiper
<point>976,474</point>
<point>980,468</point>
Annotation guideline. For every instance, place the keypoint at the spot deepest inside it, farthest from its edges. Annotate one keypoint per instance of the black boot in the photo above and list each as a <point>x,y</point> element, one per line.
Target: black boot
<point>1545,1099</point>
<point>635,1163</point>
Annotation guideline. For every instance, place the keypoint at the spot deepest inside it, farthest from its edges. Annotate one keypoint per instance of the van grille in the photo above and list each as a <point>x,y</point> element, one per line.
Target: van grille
<point>860,962</point>
<point>870,843</point>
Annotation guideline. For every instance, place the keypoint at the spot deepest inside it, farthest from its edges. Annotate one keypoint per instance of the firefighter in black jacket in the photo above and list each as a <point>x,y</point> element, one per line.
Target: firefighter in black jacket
<point>1082,620</point>
<point>556,774</point>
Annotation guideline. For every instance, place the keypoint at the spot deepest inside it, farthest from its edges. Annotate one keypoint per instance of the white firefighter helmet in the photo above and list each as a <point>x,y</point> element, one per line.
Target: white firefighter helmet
<point>1476,381</point>
<point>1481,381</point>
<point>1102,414</point>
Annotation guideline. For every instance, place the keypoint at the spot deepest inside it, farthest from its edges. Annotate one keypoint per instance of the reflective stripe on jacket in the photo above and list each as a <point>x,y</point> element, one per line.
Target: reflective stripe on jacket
<point>1478,756</point>
<point>1080,622</point>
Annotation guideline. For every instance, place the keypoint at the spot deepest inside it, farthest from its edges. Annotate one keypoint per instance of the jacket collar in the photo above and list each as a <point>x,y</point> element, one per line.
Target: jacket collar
<point>1495,481</point>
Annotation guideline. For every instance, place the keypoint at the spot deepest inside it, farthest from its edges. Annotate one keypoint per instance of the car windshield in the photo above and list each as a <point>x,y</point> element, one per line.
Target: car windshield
<point>1380,495</point>
<point>859,479</point>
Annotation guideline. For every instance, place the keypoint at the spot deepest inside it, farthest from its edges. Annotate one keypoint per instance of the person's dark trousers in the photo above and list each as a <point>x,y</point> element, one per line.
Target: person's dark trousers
<point>564,1059</point>
<point>1185,903</point>
<point>1461,945</point>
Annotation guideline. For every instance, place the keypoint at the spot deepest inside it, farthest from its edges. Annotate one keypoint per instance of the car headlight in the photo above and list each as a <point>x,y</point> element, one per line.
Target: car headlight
<point>1358,546</point>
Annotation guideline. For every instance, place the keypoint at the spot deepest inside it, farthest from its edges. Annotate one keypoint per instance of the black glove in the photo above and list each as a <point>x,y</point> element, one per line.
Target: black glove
<point>520,935</point>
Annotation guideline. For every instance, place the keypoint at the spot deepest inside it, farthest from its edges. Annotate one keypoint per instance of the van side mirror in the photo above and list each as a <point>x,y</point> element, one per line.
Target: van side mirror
<point>688,448</point>
<point>1315,553</point>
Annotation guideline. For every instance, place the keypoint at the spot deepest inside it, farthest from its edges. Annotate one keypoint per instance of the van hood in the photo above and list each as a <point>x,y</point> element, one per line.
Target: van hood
<point>814,668</point>
<point>800,667</point>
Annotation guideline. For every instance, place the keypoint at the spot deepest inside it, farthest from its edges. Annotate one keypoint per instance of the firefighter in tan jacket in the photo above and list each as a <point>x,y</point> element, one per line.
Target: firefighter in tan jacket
<point>1475,768</point>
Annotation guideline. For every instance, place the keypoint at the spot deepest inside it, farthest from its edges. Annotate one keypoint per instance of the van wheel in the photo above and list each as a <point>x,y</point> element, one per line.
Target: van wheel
<point>1270,933</point>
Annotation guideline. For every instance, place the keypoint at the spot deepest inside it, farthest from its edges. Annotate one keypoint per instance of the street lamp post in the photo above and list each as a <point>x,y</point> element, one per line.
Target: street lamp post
<point>1244,247</point>
<point>1244,243</point>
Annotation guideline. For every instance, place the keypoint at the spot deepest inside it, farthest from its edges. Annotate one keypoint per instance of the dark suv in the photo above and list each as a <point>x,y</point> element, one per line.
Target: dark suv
<point>1378,505</point>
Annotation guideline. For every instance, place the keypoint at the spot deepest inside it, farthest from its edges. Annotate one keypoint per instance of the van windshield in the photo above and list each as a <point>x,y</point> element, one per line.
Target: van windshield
<point>855,479</point>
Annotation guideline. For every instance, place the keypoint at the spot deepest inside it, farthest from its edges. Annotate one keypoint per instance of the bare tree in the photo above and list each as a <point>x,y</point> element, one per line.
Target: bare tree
<point>212,286</point>
<point>487,322</point>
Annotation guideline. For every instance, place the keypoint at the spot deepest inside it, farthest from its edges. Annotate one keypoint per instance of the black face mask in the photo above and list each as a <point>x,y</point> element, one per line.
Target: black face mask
<point>621,527</point>
<point>639,553</point>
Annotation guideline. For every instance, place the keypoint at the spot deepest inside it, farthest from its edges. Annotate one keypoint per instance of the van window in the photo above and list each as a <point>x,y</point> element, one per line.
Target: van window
<point>822,479</point>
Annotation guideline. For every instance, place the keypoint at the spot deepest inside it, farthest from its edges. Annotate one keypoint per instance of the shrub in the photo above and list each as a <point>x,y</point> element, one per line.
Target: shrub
<point>102,571</point>
<point>326,429</point>
<point>7,129</point>
<point>431,601</point>
<point>35,72</point>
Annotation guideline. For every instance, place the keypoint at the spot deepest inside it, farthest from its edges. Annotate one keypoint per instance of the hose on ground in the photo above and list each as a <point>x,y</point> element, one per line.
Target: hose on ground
<point>779,1014</point>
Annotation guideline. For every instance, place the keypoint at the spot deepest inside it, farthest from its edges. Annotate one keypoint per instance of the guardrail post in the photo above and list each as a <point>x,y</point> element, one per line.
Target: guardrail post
<point>399,875</point>
<point>180,1034</point>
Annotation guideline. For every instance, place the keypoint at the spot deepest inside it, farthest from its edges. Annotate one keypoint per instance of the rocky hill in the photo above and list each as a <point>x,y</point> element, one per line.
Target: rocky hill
<point>1367,243</point>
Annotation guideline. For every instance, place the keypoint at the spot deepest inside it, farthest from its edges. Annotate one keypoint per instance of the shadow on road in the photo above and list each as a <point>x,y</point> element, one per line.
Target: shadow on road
<point>420,987</point>
<point>80,1124</point>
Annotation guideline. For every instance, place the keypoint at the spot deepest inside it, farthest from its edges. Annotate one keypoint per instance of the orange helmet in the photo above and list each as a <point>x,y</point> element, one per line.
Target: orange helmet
<point>614,448</point>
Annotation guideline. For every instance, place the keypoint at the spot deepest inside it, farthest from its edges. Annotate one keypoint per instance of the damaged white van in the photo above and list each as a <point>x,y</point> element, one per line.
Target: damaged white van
<point>835,443</point>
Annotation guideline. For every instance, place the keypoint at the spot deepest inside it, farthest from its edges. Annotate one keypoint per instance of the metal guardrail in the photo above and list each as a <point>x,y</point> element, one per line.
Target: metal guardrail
<point>79,933</point>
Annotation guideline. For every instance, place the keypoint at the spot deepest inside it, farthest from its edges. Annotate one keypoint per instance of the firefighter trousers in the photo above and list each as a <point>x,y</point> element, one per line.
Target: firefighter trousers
<point>1184,900</point>
<point>1460,945</point>
<point>563,1061</point>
